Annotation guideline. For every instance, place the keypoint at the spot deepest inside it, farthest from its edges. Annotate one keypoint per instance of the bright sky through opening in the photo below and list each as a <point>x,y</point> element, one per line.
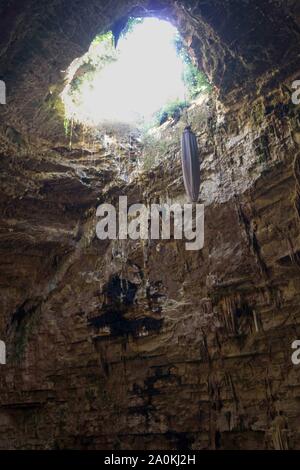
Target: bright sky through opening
<point>146,75</point>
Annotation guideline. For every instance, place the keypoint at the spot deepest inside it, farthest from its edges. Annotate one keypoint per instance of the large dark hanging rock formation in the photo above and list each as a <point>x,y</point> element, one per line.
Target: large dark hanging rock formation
<point>124,345</point>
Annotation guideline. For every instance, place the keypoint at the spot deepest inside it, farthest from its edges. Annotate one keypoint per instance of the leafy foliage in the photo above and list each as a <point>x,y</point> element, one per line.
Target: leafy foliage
<point>101,38</point>
<point>195,80</point>
<point>170,110</point>
<point>100,54</point>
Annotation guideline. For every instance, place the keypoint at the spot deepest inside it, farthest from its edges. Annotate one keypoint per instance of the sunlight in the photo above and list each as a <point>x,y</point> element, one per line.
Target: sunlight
<point>144,75</point>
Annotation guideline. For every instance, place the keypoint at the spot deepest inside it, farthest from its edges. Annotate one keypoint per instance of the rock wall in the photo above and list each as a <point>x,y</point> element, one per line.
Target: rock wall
<point>130,345</point>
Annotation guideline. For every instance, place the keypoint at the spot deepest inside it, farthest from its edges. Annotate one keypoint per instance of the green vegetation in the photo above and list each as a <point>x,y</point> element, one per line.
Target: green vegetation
<point>195,80</point>
<point>100,54</point>
<point>154,150</point>
<point>172,110</point>
<point>83,72</point>
<point>131,23</point>
<point>102,38</point>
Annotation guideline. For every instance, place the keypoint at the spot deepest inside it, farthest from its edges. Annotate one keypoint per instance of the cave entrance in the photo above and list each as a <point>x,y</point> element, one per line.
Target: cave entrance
<point>142,75</point>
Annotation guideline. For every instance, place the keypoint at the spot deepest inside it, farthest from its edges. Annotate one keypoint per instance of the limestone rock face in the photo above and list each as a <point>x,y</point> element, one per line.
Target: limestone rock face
<point>130,345</point>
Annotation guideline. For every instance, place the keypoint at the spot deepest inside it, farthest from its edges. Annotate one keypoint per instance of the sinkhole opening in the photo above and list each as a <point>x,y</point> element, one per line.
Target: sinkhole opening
<point>141,77</point>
